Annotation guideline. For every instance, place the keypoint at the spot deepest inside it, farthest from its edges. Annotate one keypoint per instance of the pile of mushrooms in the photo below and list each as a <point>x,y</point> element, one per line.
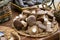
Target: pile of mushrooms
<point>35,21</point>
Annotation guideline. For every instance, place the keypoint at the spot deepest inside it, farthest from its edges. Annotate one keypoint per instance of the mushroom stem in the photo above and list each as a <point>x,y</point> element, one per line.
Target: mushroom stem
<point>24,23</point>
<point>49,25</point>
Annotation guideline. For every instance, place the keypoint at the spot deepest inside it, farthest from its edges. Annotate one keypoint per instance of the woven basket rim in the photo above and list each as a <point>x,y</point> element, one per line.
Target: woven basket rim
<point>38,35</point>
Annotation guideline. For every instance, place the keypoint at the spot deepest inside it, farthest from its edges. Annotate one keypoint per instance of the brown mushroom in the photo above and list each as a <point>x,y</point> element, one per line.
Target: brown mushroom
<point>18,25</point>
<point>40,25</point>
<point>31,20</point>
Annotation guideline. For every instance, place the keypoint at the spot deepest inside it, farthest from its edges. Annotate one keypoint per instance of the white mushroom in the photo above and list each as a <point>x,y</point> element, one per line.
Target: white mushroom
<point>26,11</point>
<point>26,19</point>
<point>33,30</point>
<point>40,12</point>
<point>24,23</point>
<point>16,18</point>
<point>45,19</point>
<point>54,21</point>
<point>33,12</point>
<point>21,16</point>
<point>49,25</point>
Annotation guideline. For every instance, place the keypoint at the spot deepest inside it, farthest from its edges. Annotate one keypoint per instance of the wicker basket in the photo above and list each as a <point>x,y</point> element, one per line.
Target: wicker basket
<point>20,9</point>
<point>5,13</point>
<point>14,6</point>
<point>43,34</point>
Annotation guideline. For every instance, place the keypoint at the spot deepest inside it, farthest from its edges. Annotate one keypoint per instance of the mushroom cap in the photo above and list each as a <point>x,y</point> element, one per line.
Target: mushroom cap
<point>31,20</point>
<point>18,25</point>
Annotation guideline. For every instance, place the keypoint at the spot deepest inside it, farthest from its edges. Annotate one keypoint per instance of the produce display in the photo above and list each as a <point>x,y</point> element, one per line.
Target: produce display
<point>36,22</point>
<point>29,19</point>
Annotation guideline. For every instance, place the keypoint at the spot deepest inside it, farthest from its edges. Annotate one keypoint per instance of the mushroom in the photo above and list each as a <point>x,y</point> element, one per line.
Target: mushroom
<point>32,30</point>
<point>49,25</point>
<point>33,12</point>
<point>49,13</point>
<point>40,25</point>
<point>18,25</point>
<point>54,21</point>
<point>40,12</point>
<point>22,17</point>
<point>26,11</point>
<point>45,17</point>
<point>25,19</point>
<point>31,20</point>
<point>24,23</point>
<point>17,17</point>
